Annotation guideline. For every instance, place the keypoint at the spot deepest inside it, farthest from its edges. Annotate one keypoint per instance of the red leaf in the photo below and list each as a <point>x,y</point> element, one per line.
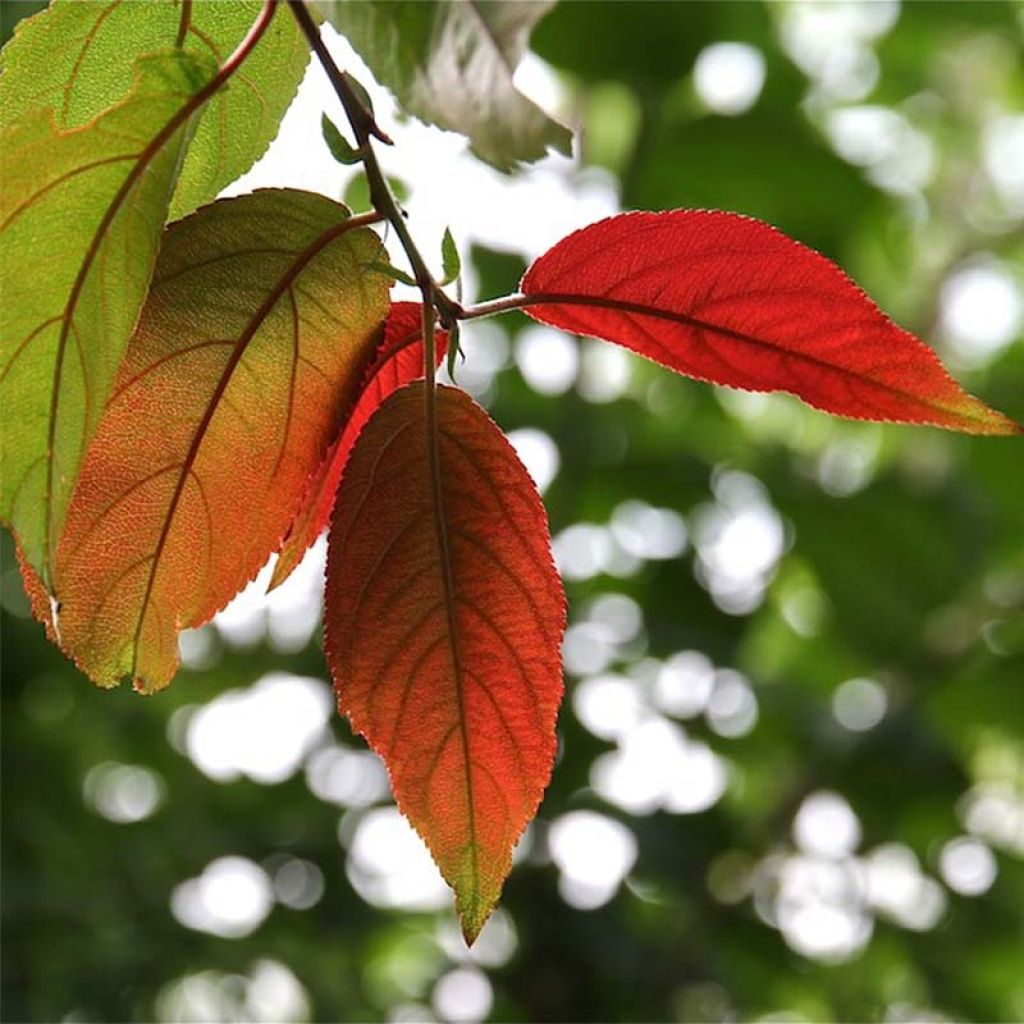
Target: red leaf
<point>397,361</point>
<point>444,618</point>
<point>251,344</point>
<point>728,299</point>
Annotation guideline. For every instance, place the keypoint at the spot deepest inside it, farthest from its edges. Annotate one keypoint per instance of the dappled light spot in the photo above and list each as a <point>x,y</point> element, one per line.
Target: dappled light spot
<point>230,898</point>
<point>1003,153</point>
<point>262,732</point>
<point>739,539</point>
<point>896,156</point>
<point>538,452</point>
<point>732,707</point>
<point>199,649</point>
<point>269,994</point>
<point>586,649</point>
<point>581,550</point>
<point>831,43</point>
<point>982,311</point>
<point>463,996</point>
<point>348,778</point>
<point>859,704</point>
<point>605,372</point>
<point>390,866</point>
<point>994,811</point>
<point>123,793</point>
<point>846,466</point>
<point>897,888</point>
<point>729,77</point>
<point>826,826</point>
<point>618,615</point>
<point>608,706</point>
<point>684,684</point>
<point>298,883</point>
<point>967,866</point>
<point>549,360</point>
<point>656,766</point>
<point>647,532</point>
<point>593,854</point>
<point>819,911</point>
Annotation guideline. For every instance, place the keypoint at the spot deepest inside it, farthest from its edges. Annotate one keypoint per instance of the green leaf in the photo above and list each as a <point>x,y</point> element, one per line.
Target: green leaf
<point>451,64</point>
<point>450,260</point>
<point>77,58</point>
<point>392,272</point>
<point>337,143</point>
<point>80,219</point>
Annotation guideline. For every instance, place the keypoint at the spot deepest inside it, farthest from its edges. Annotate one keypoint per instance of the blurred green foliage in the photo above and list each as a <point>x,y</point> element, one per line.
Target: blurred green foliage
<point>903,564</point>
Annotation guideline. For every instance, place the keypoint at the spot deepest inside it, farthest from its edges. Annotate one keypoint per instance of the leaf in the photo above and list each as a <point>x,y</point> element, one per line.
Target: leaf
<point>397,361</point>
<point>444,619</point>
<point>451,64</point>
<point>249,348</point>
<point>450,261</point>
<point>339,146</point>
<point>728,299</point>
<point>80,219</point>
<point>76,58</point>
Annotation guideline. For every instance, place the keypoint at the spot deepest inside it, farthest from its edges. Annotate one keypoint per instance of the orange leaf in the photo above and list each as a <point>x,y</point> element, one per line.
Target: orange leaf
<point>444,618</point>
<point>250,346</point>
<point>398,360</point>
<point>729,299</point>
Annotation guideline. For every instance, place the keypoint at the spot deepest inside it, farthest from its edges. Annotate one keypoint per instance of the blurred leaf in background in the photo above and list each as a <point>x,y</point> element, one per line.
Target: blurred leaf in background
<point>791,776</point>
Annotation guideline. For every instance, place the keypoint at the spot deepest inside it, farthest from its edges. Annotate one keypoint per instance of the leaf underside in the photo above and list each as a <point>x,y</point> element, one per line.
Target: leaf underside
<point>451,64</point>
<point>250,347</point>
<point>76,59</point>
<point>444,619</point>
<point>81,214</point>
<point>729,299</point>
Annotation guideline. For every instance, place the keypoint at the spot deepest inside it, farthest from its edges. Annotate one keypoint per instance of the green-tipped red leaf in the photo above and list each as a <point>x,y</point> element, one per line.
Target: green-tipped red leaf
<point>250,347</point>
<point>444,619</point>
<point>397,361</point>
<point>81,215</point>
<point>731,300</point>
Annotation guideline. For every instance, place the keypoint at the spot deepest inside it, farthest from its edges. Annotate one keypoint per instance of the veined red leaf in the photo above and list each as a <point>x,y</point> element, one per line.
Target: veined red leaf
<point>731,300</point>
<point>444,619</point>
<point>250,346</point>
<point>81,214</point>
<point>397,361</point>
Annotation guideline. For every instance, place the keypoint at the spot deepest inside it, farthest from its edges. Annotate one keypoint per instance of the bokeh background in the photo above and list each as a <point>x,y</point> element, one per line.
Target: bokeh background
<point>790,783</point>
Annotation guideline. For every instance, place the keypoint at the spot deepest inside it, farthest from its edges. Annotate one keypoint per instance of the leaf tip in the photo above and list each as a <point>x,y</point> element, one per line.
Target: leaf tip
<point>473,915</point>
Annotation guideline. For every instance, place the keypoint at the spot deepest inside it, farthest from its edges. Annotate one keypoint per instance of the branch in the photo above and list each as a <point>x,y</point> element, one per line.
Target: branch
<point>364,128</point>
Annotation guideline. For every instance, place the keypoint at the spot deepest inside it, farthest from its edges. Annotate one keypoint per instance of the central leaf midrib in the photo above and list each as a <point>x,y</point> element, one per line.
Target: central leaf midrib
<point>448,585</point>
<point>280,288</point>
<point>642,309</point>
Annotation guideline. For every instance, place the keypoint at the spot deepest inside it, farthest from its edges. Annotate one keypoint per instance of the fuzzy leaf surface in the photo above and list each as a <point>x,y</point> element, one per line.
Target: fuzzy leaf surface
<point>731,300</point>
<point>251,345</point>
<point>81,215</point>
<point>451,64</point>
<point>444,619</point>
<point>76,59</point>
<point>397,361</point>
